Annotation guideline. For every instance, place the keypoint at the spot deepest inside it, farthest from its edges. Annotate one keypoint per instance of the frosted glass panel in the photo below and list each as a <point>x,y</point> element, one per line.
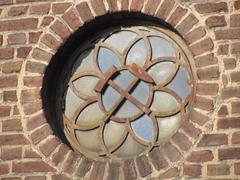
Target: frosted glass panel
<point>90,115</point>
<point>110,97</point>
<point>121,40</point>
<point>127,110</point>
<point>106,59</point>
<point>137,54</point>
<point>180,83</point>
<point>161,71</point>
<point>168,126</point>
<point>143,128</point>
<point>124,79</point>
<point>164,102</point>
<point>161,47</point>
<point>72,102</point>
<point>86,85</point>
<point>129,148</point>
<point>141,92</point>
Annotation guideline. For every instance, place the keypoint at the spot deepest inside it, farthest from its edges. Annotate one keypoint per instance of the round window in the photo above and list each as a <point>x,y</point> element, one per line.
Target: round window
<point>126,90</point>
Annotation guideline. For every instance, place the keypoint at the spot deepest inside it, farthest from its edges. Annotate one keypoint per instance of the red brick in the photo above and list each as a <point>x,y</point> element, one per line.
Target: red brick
<point>4,169</point>
<point>98,171</point>
<point>124,5</point>
<point>60,29</point>
<point>218,169</point>
<point>113,5</point>
<point>31,167</point>
<point>31,108</point>
<point>13,139</point>
<point>18,11</point>
<point>237,168</point>
<point>143,165</point>
<point>36,121</point>
<point>182,141</point>
<point>223,49</point>
<point>11,153</point>
<point>113,171</point>
<point>211,73</point>
<point>198,117</point>
<point>192,170</point>
<point>205,60</point>
<point>85,12</point>
<point>170,173</point>
<point>6,2</point>
<point>6,53</point>
<point>10,96</point>
<point>12,125</point>
<point>129,170</point>
<point>1,39</point>
<point>60,8</point>
<point>235,107</point>
<point>235,138</point>
<point>19,24</point>
<point>207,88</point>
<point>235,48</point>
<point>202,47</point>
<point>213,140</point>
<point>84,167</point>
<point>165,9</point>
<point>41,133</point>
<point>71,162</point>
<point>60,177</point>
<point>229,153</point>
<point>157,159</point>
<point>200,156</point>
<point>23,52</point>
<point>33,81</point>
<point>190,129</point>
<point>15,110</point>
<point>226,123</point>
<point>29,153</point>
<point>47,20</point>
<point>40,9</point>
<point>227,34</point>
<point>151,7</point>
<point>195,35</point>
<point>172,153</point>
<point>203,103</point>
<point>211,7</point>
<point>12,67</point>
<point>5,111</point>
<point>223,111</point>
<point>237,4</point>
<point>41,55</point>
<point>34,37</point>
<point>235,76</point>
<point>229,63</point>
<point>98,7</point>
<point>35,178</point>
<point>18,38</point>
<point>235,20</point>
<point>30,95</point>
<point>60,154</point>
<point>49,146</point>
<point>176,16</point>
<point>35,67</point>
<point>8,81</point>
<point>216,21</point>
<point>231,92</point>
<point>187,24</point>
<point>72,19</point>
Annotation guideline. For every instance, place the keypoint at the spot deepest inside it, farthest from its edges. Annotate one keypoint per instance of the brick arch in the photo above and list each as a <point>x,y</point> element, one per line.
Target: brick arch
<point>165,160</point>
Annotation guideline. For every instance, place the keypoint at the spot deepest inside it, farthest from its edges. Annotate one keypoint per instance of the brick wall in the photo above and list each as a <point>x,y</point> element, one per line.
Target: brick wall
<point>206,147</point>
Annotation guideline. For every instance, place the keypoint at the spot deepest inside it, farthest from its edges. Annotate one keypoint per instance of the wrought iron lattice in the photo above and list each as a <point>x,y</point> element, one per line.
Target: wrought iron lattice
<point>129,91</point>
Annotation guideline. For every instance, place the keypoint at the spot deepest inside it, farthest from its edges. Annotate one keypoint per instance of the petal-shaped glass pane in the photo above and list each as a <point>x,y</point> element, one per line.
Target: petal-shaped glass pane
<point>168,126</point>
<point>90,115</point>
<point>84,62</point>
<point>121,40</point>
<point>72,103</point>
<point>114,134</point>
<point>137,54</point>
<point>110,97</point>
<point>124,79</point>
<point>89,139</point>
<point>180,83</point>
<point>161,47</point>
<point>107,59</point>
<point>143,128</point>
<point>161,71</point>
<point>129,148</point>
<point>141,92</point>
<point>127,109</point>
<point>86,85</point>
<point>164,102</point>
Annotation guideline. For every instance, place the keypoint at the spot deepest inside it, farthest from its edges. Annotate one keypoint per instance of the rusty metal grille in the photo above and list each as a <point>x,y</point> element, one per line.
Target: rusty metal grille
<point>129,90</point>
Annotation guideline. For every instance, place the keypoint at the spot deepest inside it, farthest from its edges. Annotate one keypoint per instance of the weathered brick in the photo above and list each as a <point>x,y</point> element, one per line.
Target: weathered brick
<point>235,76</point>
<point>33,81</point>
<point>235,20</point>
<point>98,7</point>
<point>40,9</point>
<point>13,139</point>
<point>237,4</point>
<point>176,16</point>
<point>18,38</point>
<point>203,103</point>
<point>60,177</point>
<point>12,67</point>
<point>206,60</point>
<point>229,153</point>
<point>202,47</point>
<point>18,11</point>
<point>195,35</point>
<point>216,21</point>
<point>223,111</point>
<point>5,111</point>
<point>151,7</point>
<point>4,169</point>
<point>113,171</point>
<point>41,133</point>
<point>31,167</point>
<point>229,63</point>
<point>60,8</point>
<point>41,55</point>
<point>235,138</point>
<point>10,96</point>
<point>6,53</point>
<point>190,129</point>
<point>36,121</point>
<point>47,21</point>
<point>182,141</point>
<point>19,24</point>
<point>207,88</point>
<point>124,5</point>
<point>213,140</point>
<point>231,92</point>
<point>113,5</point>
<point>187,24</point>
<point>34,37</point>
<point>23,52</point>
<point>60,154</point>
<point>143,165</point>
<point>12,125</point>
<point>129,169</point>
<point>84,167</point>
<point>235,48</point>
<point>60,29</point>
<point>49,146</point>
<point>165,9</point>
<point>192,170</point>
<point>29,153</point>
<point>85,12</point>
<point>235,107</point>
<point>172,153</point>
<point>35,67</point>
<point>223,49</point>
<point>30,95</point>
<point>72,19</point>
<point>8,81</point>
<point>218,169</point>
<point>35,177</point>
<point>211,7</point>
<point>200,156</point>
<point>237,168</point>
<point>6,2</point>
<point>170,173</point>
<point>157,159</point>
<point>11,153</point>
<point>98,171</point>
<point>32,107</point>
<point>226,123</point>
<point>1,39</point>
<point>227,34</point>
<point>211,73</point>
